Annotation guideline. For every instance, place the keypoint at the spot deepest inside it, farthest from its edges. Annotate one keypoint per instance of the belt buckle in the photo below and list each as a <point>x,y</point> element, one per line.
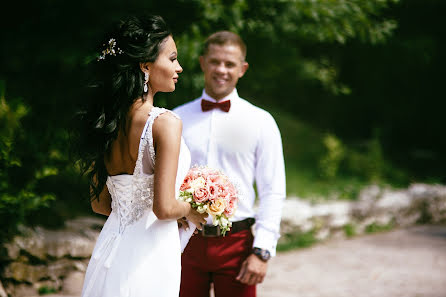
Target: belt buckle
<point>206,231</point>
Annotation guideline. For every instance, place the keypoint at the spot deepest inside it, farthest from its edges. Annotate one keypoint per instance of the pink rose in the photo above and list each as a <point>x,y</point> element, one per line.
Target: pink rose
<point>186,183</point>
<point>231,206</point>
<point>232,191</point>
<point>201,195</point>
<point>222,192</point>
<point>213,178</point>
<point>213,191</point>
<point>222,180</point>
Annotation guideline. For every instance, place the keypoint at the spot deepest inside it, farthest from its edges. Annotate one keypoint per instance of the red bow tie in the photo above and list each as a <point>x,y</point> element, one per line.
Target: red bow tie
<point>208,105</point>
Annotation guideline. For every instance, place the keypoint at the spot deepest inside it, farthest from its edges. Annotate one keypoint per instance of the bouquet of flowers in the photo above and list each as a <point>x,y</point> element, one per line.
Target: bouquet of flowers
<point>209,190</point>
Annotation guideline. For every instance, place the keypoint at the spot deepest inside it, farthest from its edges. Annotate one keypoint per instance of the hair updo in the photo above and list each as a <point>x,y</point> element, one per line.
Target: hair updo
<point>115,82</point>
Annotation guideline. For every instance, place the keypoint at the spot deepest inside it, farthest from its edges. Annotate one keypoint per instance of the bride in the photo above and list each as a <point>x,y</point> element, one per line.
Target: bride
<point>136,160</point>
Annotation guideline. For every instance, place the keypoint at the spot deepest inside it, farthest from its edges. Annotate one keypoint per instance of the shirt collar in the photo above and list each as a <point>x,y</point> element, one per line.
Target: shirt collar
<point>232,96</point>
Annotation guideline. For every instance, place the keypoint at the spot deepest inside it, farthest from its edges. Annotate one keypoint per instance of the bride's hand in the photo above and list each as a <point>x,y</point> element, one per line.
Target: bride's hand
<point>183,223</point>
<point>197,218</point>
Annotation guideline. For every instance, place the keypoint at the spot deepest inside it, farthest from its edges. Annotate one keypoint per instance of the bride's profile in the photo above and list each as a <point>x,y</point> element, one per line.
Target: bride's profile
<point>135,160</point>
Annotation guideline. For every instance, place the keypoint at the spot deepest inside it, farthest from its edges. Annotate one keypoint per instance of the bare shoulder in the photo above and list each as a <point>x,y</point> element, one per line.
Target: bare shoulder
<point>137,123</point>
<point>167,123</point>
<point>135,127</point>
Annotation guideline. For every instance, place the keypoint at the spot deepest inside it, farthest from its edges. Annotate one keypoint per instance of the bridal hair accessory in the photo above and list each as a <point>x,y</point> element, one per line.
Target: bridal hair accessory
<point>111,49</point>
<point>146,79</point>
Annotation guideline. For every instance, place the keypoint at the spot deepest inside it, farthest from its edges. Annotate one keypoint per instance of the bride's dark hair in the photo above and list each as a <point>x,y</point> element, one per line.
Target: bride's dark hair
<point>115,82</point>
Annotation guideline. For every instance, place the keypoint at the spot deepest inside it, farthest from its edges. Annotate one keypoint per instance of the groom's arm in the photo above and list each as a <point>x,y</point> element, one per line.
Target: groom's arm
<point>270,181</point>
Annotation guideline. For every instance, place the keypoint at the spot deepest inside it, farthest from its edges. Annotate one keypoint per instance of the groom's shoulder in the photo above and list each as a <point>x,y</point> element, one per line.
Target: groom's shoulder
<point>188,107</point>
<point>255,110</point>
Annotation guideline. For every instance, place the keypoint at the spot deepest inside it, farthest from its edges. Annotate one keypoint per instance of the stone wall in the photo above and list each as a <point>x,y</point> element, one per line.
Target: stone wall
<point>375,208</point>
<point>49,260</point>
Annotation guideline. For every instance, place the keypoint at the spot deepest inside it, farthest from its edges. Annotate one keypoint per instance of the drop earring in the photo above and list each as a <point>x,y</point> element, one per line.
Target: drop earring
<point>146,80</point>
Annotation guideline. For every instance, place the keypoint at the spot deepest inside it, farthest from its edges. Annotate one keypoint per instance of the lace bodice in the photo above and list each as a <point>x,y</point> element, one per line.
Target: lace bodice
<point>132,195</point>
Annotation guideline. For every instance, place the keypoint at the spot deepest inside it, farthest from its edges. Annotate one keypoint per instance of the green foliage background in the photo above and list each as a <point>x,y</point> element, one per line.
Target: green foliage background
<point>355,87</point>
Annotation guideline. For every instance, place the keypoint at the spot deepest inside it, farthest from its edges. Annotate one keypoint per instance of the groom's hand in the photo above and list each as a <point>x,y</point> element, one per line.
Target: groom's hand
<point>253,271</point>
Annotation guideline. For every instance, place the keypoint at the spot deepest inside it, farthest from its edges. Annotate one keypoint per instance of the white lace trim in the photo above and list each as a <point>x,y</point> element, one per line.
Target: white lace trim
<point>156,111</point>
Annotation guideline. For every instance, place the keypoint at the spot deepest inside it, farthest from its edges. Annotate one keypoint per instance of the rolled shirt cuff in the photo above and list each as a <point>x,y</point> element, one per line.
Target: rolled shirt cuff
<point>266,240</point>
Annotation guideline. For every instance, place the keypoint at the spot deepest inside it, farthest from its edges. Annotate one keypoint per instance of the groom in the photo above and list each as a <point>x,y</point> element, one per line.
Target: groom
<point>226,132</point>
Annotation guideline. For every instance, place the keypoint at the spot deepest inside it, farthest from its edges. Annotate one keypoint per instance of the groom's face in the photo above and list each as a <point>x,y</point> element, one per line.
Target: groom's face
<point>222,65</point>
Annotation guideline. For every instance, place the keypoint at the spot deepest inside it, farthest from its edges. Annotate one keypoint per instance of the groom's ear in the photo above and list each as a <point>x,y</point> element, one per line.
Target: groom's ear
<point>202,63</point>
<point>245,67</point>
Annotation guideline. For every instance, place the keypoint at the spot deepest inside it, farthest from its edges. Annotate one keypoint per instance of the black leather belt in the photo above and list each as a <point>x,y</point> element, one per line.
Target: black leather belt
<point>214,231</point>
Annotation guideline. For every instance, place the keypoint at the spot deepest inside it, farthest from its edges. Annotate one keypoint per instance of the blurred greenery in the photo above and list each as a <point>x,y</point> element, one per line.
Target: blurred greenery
<point>349,230</point>
<point>355,87</point>
<point>47,290</point>
<point>296,240</point>
<point>376,227</point>
<point>18,195</point>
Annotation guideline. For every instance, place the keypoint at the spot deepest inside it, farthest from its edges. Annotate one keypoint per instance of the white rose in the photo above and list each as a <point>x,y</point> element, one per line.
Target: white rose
<point>202,208</point>
<point>197,183</point>
<point>224,222</point>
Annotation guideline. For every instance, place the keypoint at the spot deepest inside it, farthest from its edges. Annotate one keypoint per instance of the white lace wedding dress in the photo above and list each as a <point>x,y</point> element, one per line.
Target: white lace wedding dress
<point>136,254</point>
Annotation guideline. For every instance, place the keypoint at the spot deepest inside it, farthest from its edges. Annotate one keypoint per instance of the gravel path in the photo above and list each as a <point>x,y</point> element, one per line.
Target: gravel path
<point>406,262</point>
<point>401,263</point>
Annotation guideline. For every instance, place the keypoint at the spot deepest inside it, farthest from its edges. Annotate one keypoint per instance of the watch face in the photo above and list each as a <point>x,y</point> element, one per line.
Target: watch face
<point>265,255</point>
<point>262,254</point>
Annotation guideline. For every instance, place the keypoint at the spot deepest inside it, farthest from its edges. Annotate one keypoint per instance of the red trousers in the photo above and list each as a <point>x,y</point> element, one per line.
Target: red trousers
<point>216,260</point>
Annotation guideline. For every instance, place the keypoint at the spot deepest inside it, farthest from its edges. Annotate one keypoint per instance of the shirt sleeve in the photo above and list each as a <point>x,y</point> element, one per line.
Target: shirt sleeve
<point>271,188</point>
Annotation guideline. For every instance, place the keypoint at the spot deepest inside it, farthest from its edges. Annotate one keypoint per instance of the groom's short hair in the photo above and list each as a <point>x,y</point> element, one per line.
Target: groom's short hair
<point>223,38</point>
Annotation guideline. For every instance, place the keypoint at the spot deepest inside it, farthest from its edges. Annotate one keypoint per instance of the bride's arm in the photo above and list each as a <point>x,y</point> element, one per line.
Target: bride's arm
<point>167,140</point>
<point>103,204</point>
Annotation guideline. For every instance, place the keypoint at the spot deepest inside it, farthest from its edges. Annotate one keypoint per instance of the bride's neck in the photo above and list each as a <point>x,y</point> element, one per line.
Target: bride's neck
<point>145,103</point>
<point>148,97</point>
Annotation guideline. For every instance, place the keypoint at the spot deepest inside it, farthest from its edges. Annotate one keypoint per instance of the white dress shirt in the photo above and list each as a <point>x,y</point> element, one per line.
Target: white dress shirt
<point>245,144</point>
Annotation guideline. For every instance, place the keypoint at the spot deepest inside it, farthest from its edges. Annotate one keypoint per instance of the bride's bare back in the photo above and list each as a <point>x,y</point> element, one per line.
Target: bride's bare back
<point>124,151</point>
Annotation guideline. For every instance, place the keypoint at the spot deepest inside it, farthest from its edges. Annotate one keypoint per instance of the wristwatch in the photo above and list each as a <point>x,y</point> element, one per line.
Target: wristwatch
<point>262,254</point>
